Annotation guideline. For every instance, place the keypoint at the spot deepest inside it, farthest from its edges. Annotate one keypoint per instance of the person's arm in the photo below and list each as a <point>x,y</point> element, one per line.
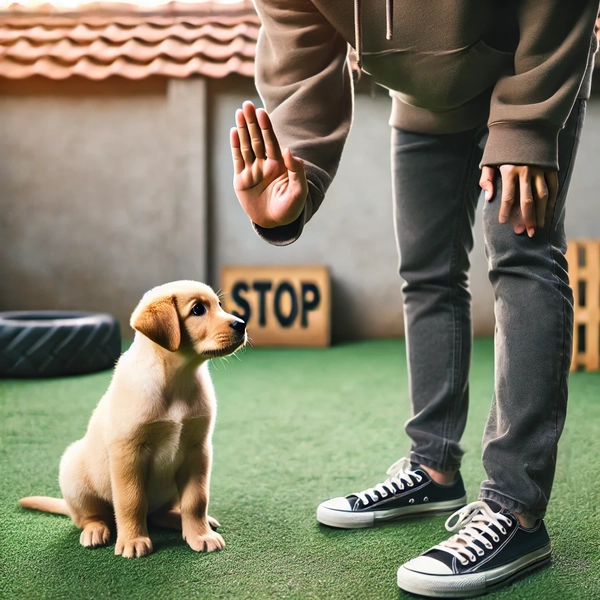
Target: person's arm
<point>530,106</point>
<point>303,78</point>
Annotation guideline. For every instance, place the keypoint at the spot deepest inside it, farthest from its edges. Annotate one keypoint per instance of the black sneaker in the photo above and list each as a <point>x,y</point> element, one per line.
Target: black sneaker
<point>489,551</point>
<point>409,491</point>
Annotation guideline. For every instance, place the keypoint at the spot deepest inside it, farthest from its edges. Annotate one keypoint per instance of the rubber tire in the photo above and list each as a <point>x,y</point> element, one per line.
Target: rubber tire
<point>35,344</point>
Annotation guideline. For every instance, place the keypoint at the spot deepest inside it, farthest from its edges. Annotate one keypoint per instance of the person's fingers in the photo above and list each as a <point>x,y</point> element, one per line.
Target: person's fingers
<point>527,201</point>
<point>486,181</point>
<point>244,136</point>
<point>256,137</point>
<point>516,219</point>
<point>509,192</point>
<point>236,154</point>
<point>272,147</point>
<point>541,198</point>
<point>519,227</point>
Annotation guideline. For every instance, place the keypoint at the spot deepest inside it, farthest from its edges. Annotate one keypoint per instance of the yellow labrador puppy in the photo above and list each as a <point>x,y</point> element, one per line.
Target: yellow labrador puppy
<point>147,450</point>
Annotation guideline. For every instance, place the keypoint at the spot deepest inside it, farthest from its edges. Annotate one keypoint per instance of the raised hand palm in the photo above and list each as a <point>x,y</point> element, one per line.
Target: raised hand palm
<point>270,185</point>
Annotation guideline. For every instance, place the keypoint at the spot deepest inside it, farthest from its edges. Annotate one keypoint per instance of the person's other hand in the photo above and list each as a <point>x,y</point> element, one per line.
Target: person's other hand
<point>270,184</point>
<point>528,195</point>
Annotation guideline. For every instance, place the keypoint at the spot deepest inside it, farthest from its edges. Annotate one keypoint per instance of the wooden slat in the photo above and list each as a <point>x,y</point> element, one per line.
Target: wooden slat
<point>587,305</point>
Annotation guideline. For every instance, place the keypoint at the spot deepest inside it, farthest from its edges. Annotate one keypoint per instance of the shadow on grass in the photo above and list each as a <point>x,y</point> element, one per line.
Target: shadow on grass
<point>410,524</point>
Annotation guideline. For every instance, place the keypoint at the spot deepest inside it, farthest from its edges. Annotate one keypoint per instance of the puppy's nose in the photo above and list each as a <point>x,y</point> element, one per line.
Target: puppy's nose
<point>239,326</point>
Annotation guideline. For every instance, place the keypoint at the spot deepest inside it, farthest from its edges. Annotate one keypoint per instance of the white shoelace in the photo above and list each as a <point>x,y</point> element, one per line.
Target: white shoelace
<point>475,520</point>
<point>399,476</point>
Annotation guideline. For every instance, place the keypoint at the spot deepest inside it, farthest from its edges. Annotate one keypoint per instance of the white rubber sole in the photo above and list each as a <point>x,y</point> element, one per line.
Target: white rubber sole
<point>345,519</point>
<point>471,584</point>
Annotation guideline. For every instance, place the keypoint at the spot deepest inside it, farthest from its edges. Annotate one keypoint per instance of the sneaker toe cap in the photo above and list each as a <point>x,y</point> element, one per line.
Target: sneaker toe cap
<point>337,504</point>
<point>427,566</point>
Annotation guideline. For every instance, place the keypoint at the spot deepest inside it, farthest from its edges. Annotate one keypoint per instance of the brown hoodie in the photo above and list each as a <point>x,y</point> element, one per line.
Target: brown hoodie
<point>450,65</point>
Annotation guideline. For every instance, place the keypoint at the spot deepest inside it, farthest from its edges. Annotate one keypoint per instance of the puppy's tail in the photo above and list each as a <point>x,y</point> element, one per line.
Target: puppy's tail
<point>51,505</point>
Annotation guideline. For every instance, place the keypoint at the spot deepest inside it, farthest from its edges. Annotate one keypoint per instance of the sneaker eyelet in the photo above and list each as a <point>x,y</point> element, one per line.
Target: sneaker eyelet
<point>496,538</point>
<point>419,478</point>
<point>464,563</point>
<point>502,530</point>
<point>473,558</point>
<point>480,552</point>
<point>489,546</point>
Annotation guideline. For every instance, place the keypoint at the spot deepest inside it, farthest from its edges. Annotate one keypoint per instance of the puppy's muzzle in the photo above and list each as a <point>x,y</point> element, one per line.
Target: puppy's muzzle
<point>237,338</point>
<point>239,331</point>
<point>238,326</point>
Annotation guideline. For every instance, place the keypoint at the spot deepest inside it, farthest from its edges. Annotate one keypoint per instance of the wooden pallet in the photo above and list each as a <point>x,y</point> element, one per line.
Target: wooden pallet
<point>584,275</point>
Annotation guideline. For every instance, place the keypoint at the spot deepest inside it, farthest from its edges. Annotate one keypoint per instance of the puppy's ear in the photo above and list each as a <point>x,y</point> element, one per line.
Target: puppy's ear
<point>159,321</point>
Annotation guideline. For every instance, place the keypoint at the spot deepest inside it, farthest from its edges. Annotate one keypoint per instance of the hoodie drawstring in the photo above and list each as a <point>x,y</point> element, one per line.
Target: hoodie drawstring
<point>389,26</point>
<point>358,33</point>
<point>389,19</point>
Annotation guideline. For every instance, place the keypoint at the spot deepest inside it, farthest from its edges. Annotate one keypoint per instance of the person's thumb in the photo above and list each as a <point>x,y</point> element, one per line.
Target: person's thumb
<point>292,164</point>
<point>296,171</point>
<point>486,181</point>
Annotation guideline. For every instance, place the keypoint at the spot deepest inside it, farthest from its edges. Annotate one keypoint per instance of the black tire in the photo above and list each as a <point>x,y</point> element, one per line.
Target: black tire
<point>56,343</point>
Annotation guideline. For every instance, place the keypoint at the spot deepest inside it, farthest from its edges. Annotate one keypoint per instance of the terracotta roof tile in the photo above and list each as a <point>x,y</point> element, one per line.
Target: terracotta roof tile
<point>211,39</point>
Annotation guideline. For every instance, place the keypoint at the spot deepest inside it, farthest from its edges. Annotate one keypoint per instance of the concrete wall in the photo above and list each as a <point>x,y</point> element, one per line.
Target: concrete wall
<point>102,195</point>
<point>106,194</point>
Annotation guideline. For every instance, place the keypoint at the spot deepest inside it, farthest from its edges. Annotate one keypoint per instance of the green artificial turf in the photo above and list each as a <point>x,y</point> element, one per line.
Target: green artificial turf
<point>294,427</point>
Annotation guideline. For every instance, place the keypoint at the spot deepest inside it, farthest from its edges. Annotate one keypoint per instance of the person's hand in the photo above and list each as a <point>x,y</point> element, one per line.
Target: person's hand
<point>528,195</point>
<point>270,184</point>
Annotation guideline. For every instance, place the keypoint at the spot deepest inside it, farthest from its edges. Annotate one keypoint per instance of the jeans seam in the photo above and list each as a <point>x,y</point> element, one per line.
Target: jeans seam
<point>457,349</point>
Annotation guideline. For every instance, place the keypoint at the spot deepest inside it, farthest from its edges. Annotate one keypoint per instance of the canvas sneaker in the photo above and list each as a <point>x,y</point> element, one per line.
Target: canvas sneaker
<point>490,550</point>
<point>409,491</point>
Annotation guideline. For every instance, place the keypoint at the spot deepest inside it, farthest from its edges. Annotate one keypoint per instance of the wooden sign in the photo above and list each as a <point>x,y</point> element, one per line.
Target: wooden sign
<point>282,305</point>
<point>583,257</point>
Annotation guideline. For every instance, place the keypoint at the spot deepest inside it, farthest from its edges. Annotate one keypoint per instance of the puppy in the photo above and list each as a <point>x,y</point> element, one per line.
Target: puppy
<point>147,451</point>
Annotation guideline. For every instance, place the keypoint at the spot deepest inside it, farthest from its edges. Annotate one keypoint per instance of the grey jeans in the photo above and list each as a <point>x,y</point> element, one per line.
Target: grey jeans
<point>436,190</point>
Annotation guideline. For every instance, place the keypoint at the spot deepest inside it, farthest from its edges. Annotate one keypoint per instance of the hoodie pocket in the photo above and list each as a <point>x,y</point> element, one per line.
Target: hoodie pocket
<point>440,80</point>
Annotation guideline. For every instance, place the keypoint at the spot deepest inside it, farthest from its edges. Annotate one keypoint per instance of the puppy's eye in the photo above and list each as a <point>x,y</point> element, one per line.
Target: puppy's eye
<point>199,309</point>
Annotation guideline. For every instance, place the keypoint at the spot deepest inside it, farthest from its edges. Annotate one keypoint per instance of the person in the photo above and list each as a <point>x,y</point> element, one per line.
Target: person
<point>489,94</point>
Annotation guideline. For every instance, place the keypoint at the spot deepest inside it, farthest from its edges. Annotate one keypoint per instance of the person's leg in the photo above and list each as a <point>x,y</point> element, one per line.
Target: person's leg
<point>534,304</point>
<point>435,191</point>
<point>435,184</point>
<point>533,343</point>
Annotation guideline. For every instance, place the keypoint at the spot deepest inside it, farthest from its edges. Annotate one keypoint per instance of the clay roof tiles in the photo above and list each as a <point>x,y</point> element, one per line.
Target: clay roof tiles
<point>175,40</point>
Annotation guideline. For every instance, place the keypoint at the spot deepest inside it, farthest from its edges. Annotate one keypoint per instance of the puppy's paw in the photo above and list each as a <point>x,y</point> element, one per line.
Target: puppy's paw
<point>214,524</point>
<point>134,547</point>
<point>95,534</point>
<point>207,542</point>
